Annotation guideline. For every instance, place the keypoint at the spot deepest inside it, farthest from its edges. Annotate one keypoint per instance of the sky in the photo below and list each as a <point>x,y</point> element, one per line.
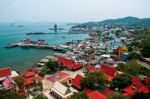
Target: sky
<point>71,10</point>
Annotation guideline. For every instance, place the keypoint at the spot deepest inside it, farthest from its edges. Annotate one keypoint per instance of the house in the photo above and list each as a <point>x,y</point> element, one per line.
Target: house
<point>69,63</point>
<point>109,71</point>
<point>30,77</point>
<point>121,50</point>
<point>92,68</point>
<point>76,82</point>
<point>6,81</point>
<point>65,61</point>
<point>96,95</point>
<point>60,91</point>
<point>136,86</point>
<point>5,72</point>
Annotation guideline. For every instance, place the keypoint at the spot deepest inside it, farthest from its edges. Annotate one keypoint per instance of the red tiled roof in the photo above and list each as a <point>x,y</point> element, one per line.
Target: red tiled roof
<point>96,95</point>
<point>76,81</point>
<point>107,91</point>
<point>65,61</point>
<point>29,74</point>
<point>147,80</point>
<point>75,66</point>
<point>28,81</point>
<point>5,72</point>
<point>137,82</point>
<point>57,76</point>
<point>82,46</point>
<point>86,91</point>
<point>109,70</point>
<point>91,68</point>
<point>129,91</point>
<point>37,77</point>
<point>143,89</point>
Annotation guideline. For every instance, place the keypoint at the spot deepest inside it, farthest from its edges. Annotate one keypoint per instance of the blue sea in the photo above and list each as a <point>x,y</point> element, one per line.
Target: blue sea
<point>19,58</point>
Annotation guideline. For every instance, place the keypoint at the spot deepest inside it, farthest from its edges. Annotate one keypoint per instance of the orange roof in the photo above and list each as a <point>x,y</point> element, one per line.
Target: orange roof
<point>5,72</point>
<point>109,78</point>
<point>29,74</point>
<point>96,95</point>
<point>76,81</point>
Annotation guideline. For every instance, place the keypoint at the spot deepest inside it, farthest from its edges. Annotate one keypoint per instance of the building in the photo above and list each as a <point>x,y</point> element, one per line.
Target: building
<point>60,91</point>
<point>121,50</point>
<point>96,95</point>
<point>6,81</point>
<point>76,82</point>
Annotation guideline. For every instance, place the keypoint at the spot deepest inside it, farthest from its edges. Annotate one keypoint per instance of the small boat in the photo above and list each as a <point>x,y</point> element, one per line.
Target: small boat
<point>10,45</point>
<point>35,33</point>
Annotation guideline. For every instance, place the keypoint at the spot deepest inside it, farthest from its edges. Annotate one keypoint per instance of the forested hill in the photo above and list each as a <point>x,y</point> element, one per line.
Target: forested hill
<point>127,21</point>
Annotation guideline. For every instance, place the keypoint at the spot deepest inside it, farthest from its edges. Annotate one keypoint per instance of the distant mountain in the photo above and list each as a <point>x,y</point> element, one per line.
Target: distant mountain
<point>131,22</point>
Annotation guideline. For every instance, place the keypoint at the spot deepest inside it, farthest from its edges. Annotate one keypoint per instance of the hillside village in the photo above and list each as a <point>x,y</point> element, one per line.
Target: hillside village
<point>106,65</point>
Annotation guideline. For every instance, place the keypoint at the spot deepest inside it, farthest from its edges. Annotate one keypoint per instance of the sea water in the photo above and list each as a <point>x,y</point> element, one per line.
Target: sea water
<point>23,58</point>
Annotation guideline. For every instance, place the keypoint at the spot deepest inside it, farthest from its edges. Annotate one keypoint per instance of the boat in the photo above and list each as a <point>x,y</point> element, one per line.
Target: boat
<point>35,33</point>
<point>11,45</point>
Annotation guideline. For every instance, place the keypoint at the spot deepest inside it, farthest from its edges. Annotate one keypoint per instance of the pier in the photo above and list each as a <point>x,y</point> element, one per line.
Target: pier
<point>38,46</point>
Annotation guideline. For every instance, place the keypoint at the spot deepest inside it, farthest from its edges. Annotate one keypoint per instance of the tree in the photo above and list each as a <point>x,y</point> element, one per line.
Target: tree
<point>10,94</point>
<point>141,96</point>
<point>53,65</point>
<point>41,96</point>
<point>79,95</point>
<point>146,51</point>
<point>133,55</point>
<point>117,96</point>
<point>121,81</point>
<point>93,80</point>
<point>19,81</point>
<point>133,68</point>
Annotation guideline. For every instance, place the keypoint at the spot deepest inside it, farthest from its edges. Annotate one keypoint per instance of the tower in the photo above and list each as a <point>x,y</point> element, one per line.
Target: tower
<point>55,28</point>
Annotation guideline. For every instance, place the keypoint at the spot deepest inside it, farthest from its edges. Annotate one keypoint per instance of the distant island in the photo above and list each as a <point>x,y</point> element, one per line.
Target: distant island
<point>128,22</point>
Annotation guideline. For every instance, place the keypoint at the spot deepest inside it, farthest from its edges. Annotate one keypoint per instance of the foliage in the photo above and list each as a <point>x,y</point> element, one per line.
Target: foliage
<point>146,50</point>
<point>79,95</point>
<point>133,68</point>
<point>117,96</point>
<point>41,96</point>
<point>93,80</point>
<point>133,55</point>
<point>53,65</point>
<point>141,96</point>
<point>89,51</point>
<point>66,84</point>
<point>121,81</point>
<point>10,94</point>
<point>42,72</point>
<point>19,81</point>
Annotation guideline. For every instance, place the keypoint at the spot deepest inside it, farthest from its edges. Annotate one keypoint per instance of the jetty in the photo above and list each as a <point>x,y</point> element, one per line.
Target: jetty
<point>38,44</point>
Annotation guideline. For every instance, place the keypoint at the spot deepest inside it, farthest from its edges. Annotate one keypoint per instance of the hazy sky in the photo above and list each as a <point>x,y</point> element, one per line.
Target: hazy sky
<point>71,10</point>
